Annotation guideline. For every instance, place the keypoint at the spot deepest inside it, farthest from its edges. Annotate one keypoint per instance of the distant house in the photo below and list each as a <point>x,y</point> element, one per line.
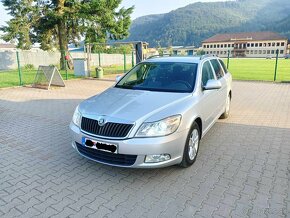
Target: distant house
<point>183,50</point>
<point>251,44</point>
<point>7,47</point>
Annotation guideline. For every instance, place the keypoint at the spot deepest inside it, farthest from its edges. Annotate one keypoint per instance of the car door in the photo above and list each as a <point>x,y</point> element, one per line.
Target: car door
<point>221,93</point>
<point>208,100</point>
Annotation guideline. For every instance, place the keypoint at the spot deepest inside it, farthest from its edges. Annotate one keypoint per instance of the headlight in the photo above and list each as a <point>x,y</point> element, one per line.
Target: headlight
<point>77,117</point>
<point>163,127</point>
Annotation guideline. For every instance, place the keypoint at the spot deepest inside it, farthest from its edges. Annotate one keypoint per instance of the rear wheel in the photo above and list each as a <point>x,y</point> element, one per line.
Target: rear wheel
<point>191,146</point>
<point>226,114</point>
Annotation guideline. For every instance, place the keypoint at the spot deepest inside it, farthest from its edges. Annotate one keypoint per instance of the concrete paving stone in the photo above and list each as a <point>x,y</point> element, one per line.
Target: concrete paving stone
<point>242,167</point>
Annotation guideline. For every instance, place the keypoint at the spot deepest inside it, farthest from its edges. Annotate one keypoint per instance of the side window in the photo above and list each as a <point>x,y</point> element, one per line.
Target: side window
<point>217,68</point>
<point>207,73</point>
<point>223,66</point>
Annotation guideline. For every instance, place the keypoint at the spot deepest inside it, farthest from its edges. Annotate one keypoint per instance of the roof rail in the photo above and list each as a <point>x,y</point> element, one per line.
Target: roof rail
<point>158,56</point>
<point>207,56</point>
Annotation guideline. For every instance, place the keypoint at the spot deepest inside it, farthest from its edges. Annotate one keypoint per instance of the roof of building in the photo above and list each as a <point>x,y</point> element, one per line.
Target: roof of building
<point>249,36</point>
<point>2,45</point>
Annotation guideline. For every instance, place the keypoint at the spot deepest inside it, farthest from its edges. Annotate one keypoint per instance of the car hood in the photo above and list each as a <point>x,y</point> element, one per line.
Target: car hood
<point>130,105</point>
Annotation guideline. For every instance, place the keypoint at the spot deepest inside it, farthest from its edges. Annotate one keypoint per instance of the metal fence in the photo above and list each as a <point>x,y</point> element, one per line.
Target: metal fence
<point>260,69</point>
<point>18,68</point>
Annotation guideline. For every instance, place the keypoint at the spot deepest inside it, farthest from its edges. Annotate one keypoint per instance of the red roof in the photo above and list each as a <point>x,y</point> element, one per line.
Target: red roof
<point>250,36</point>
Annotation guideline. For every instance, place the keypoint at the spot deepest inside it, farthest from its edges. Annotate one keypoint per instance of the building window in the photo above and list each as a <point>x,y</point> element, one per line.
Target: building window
<point>218,46</point>
<point>225,52</point>
<point>251,51</point>
<point>222,45</point>
<point>226,45</point>
<point>256,45</point>
<point>272,52</point>
<point>273,44</point>
<point>217,52</point>
<point>281,51</point>
<point>264,44</point>
<point>264,52</point>
<point>260,52</point>
<point>278,43</point>
<point>256,52</point>
<point>282,43</point>
<point>268,52</point>
<point>248,45</point>
<point>210,46</point>
<point>210,52</point>
<point>252,45</point>
<point>233,45</point>
<point>269,44</point>
<point>214,45</point>
<point>261,44</point>
<point>248,52</point>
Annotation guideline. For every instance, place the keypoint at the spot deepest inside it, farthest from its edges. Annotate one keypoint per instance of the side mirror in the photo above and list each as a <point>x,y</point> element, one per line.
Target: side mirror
<point>212,84</point>
<point>118,78</point>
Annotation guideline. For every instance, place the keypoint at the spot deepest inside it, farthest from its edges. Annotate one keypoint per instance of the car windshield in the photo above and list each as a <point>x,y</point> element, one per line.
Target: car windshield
<point>163,77</point>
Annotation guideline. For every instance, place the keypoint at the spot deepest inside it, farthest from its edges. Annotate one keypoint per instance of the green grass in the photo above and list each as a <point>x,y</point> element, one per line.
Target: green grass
<point>259,69</point>
<point>114,69</point>
<point>11,78</point>
<point>241,69</point>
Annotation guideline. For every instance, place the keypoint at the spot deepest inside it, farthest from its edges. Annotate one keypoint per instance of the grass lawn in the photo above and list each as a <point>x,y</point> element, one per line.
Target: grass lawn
<point>116,69</point>
<point>259,69</point>
<point>241,69</point>
<point>11,78</point>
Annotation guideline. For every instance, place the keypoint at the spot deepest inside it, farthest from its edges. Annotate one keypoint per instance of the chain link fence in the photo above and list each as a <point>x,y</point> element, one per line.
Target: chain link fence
<point>18,68</point>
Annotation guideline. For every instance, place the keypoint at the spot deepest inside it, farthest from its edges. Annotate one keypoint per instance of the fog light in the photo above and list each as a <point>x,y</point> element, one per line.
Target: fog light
<point>156,158</point>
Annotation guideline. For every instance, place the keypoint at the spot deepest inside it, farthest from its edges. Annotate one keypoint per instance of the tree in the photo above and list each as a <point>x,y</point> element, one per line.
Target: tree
<point>56,23</point>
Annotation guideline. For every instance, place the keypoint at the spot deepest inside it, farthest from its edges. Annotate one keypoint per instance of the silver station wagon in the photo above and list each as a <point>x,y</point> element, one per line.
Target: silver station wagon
<point>155,115</point>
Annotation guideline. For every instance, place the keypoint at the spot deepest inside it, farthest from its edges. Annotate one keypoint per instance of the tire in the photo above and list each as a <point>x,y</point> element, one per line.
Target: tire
<point>191,150</point>
<point>226,114</point>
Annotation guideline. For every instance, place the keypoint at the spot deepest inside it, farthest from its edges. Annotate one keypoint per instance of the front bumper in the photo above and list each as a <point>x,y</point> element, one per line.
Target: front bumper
<point>172,144</point>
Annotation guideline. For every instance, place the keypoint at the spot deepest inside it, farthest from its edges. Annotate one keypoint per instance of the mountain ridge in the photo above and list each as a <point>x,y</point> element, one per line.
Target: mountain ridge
<point>193,23</point>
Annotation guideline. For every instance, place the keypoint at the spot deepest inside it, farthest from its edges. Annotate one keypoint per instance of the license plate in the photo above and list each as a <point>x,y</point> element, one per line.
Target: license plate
<point>101,146</point>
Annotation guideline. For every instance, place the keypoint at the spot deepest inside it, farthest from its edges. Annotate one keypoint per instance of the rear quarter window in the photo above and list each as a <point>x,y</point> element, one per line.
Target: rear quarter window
<point>217,68</point>
<point>223,66</point>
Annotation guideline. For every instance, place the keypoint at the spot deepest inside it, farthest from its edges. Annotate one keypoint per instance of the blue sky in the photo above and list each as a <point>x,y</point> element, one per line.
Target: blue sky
<point>142,7</point>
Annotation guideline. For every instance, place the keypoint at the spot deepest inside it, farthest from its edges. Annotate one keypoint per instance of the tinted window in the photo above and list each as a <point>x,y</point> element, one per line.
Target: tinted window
<point>217,68</point>
<point>223,66</point>
<point>207,73</point>
<point>163,77</point>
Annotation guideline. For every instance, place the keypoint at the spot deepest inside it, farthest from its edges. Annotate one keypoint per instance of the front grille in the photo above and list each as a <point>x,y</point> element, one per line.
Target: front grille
<point>106,157</point>
<point>117,130</point>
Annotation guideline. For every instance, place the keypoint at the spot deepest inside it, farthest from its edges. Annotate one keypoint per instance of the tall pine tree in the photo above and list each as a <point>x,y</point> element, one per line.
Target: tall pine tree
<point>56,23</point>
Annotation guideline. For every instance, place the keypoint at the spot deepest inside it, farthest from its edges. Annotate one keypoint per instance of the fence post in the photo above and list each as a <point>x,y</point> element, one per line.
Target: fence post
<point>133,59</point>
<point>228,62</point>
<point>125,62</point>
<point>66,76</point>
<point>276,64</point>
<point>19,68</point>
<point>99,59</point>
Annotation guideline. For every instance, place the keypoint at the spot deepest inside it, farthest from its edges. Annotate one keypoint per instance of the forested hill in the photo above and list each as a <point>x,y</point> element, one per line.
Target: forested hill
<point>192,24</point>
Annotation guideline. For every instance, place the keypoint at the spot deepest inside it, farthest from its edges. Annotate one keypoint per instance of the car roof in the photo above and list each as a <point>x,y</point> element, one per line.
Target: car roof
<point>179,59</point>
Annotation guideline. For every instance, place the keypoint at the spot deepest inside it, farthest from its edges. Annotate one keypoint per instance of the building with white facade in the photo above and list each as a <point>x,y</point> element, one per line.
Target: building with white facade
<point>250,45</point>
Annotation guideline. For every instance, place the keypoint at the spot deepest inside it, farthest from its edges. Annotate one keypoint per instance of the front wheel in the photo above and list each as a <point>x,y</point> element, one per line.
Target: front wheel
<point>226,114</point>
<point>191,146</point>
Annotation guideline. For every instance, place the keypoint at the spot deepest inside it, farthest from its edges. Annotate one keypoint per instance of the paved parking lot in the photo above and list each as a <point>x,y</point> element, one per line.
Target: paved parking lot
<point>243,168</point>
